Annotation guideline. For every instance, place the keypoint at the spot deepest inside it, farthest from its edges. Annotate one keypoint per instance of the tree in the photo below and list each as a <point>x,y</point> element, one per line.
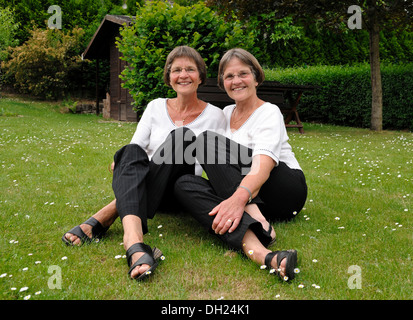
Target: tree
<point>7,31</point>
<point>85,14</point>
<point>377,15</point>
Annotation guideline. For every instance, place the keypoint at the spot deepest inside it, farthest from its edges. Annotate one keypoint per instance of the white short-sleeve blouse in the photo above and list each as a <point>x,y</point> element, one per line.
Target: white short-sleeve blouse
<point>155,125</point>
<point>265,133</point>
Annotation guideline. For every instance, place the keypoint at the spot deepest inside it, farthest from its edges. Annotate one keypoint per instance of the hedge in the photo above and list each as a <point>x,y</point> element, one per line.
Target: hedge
<point>343,96</point>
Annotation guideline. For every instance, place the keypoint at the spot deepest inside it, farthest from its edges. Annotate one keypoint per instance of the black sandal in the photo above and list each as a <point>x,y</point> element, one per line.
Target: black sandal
<point>291,263</point>
<point>98,231</point>
<point>150,258</point>
<point>268,234</point>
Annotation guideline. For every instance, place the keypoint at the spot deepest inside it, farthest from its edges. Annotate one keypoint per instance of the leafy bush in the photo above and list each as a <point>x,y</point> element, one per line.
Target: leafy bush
<point>344,94</point>
<point>160,27</point>
<point>43,65</point>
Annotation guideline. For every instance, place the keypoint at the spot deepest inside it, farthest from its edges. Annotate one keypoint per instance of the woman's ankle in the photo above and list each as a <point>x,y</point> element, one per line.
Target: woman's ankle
<point>253,210</point>
<point>107,215</point>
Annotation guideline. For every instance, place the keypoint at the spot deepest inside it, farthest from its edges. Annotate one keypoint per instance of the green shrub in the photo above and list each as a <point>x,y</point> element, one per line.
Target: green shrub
<point>43,65</point>
<point>158,28</point>
<point>343,96</point>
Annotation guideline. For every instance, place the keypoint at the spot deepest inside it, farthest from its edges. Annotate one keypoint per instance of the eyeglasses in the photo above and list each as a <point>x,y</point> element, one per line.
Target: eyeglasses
<point>189,70</point>
<point>241,75</point>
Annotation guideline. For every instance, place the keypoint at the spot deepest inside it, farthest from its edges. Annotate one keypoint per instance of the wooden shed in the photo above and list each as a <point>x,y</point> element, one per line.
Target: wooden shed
<point>118,104</point>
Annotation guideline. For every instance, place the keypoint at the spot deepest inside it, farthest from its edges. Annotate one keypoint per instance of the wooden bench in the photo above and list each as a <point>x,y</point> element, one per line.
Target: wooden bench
<point>286,97</point>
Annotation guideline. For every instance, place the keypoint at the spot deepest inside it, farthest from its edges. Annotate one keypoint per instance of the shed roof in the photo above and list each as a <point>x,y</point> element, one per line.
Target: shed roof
<point>99,46</point>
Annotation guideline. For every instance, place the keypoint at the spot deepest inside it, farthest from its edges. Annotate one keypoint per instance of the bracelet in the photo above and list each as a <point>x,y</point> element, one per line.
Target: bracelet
<point>250,197</point>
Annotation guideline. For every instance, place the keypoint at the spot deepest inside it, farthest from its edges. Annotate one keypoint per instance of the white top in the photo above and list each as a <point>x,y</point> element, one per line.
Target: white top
<point>155,125</point>
<point>265,133</point>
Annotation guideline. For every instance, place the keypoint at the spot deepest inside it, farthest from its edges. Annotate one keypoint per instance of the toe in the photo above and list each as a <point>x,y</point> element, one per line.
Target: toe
<point>76,241</point>
<point>72,238</point>
<point>281,267</point>
<point>140,269</point>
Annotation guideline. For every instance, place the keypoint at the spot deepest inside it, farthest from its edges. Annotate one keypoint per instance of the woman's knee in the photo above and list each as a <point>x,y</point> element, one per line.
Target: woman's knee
<point>130,152</point>
<point>182,185</point>
<point>207,137</point>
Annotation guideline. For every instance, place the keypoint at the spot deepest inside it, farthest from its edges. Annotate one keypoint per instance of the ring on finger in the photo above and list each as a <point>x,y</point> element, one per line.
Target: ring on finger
<point>229,220</point>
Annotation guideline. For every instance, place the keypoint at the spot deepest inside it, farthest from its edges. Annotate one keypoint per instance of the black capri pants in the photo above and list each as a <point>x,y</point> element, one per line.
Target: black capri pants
<point>142,186</point>
<point>226,162</point>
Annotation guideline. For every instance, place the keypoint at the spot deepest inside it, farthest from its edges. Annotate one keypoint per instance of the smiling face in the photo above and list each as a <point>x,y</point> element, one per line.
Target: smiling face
<point>239,81</point>
<point>184,76</point>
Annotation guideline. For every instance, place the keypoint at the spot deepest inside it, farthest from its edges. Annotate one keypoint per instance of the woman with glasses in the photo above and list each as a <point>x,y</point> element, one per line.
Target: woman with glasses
<point>253,175</point>
<point>145,170</point>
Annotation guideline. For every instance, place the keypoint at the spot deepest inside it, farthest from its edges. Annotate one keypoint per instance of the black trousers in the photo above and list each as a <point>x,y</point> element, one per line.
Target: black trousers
<point>142,186</point>
<point>226,162</point>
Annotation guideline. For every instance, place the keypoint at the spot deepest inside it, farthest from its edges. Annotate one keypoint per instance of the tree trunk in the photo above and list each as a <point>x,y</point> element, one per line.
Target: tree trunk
<point>376,88</point>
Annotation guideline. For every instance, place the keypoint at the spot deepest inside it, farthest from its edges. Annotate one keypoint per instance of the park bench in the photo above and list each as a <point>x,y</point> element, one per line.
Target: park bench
<point>286,97</point>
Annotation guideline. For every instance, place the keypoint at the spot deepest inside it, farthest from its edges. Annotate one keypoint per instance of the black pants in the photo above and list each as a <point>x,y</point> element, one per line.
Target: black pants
<point>142,186</point>
<point>280,198</point>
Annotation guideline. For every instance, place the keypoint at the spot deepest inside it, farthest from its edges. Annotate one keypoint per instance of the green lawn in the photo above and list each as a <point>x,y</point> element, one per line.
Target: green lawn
<point>54,175</point>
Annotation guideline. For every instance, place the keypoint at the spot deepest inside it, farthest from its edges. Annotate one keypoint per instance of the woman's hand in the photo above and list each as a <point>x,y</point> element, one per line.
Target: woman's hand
<point>228,213</point>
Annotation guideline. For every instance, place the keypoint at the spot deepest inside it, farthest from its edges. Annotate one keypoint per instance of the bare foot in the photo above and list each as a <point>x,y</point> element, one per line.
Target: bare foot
<point>74,239</point>
<point>106,216</point>
<point>281,268</point>
<point>132,226</point>
<point>137,271</point>
<point>255,251</point>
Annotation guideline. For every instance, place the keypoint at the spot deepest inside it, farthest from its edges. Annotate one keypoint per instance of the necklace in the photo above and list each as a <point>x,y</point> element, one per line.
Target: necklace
<point>183,120</point>
<point>233,117</point>
<point>242,115</point>
<point>183,116</point>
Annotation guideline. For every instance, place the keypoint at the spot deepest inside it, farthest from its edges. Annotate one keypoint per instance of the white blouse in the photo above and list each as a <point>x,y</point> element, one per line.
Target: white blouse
<point>265,133</point>
<point>155,125</point>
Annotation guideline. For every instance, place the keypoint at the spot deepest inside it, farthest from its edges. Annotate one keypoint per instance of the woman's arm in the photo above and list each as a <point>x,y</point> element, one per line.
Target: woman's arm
<point>229,212</point>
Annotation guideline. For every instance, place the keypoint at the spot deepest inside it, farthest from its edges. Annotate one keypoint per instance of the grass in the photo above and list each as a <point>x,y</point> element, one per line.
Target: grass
<point>54,175</point>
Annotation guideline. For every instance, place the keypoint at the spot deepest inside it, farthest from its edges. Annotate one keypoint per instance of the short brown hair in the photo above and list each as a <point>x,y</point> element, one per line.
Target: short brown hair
<point>246,58</point>
<point>186,52</point>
